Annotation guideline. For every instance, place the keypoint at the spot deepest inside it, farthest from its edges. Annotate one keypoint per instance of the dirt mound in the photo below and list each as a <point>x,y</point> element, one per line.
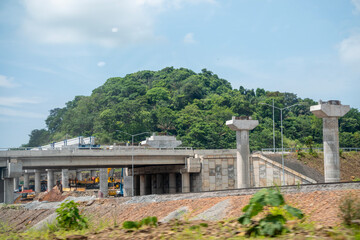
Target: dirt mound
<point>18,200</point>
<point>53,196</point>
<point>349,163</point>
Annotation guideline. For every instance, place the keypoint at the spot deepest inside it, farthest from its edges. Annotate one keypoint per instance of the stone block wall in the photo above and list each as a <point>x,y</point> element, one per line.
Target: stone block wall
<point>265,172</point>
<point>195,182</point>
<point>218,172</point>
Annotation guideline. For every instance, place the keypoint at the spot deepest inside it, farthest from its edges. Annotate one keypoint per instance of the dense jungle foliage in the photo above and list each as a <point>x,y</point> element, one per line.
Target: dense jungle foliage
<point>192,106</point>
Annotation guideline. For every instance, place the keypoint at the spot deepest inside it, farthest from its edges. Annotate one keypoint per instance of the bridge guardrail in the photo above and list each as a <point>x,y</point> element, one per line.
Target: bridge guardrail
<point>306,149</point>
<point>98,147</point>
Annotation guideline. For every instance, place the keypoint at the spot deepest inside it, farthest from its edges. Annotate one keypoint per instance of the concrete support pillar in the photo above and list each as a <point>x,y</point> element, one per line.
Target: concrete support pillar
<point>242,126</point>
<point>55,178</point>
<point>104,182</point>
<point>142,185</point>
<point>9,190</point>
<point>185,182</point>
<point>16,183</point>
<point>172,183</point>
<point>79,175</point>
<point>92,173</point>
<point>37,181</point>
<point>330,112</point>
<point>331,149</point>
<point>2,190</point>
<point>26,180</point>
<point>65,178</point>
<point>153,184</point>
<point>159,184</point>
<point>243,161</point>
<point>50,179</point>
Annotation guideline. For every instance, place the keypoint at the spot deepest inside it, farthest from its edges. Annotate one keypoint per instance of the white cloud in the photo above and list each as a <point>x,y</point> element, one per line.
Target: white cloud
<point>89,21</point>
<point>7,82</point>
<point>18,113</point>
<point>182,3</point>
<point>16,101</point>
<point>357,4</point>
<point>101,64</point>
<point>189,38</point>
<point>349,50</point>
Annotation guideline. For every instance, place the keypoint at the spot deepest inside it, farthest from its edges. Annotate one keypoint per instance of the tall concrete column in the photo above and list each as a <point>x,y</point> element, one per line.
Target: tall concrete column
<point>16,183</point>
<point>9,190</point>
<point>330,112</point>
<point>159,184</point>
<point>104,182</point>
<point>185,182</point>
<point>172,183</point>
<point>37,181</point>
<point>26,180</point>
<point>242,126</point>
<point>50,179</point>
<point>153,184</point>
<point>142,185</point>
<point>65,178</point>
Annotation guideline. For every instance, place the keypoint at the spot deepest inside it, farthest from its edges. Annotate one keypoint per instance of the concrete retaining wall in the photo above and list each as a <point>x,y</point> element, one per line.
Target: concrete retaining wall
<point>218,172</point>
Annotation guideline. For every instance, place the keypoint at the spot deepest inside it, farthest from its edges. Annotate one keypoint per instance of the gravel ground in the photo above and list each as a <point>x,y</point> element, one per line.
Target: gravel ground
<point>177,214</point>
<point>216,212</point>
<point>319,206</point>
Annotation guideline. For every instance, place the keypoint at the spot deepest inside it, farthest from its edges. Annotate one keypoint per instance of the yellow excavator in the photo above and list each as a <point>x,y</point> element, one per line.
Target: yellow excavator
<point>115,186</point>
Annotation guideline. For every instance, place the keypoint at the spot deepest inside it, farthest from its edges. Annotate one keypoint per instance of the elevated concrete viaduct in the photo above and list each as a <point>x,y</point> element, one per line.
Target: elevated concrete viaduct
<point>78,158</point>
<point>155,171</point>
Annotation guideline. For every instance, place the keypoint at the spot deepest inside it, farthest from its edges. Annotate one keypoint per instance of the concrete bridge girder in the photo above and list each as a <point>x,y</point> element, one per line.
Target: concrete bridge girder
<point>172,162</point>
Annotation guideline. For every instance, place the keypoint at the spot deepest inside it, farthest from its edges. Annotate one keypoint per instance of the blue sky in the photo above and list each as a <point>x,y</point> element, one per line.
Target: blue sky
<point>53,50</point>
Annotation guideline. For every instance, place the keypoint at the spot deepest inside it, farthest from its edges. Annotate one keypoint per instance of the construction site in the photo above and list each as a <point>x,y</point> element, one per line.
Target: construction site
<point>113,184</point>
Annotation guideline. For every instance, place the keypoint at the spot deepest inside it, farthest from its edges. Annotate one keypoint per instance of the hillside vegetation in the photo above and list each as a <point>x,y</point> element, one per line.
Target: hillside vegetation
<point>193,106</point>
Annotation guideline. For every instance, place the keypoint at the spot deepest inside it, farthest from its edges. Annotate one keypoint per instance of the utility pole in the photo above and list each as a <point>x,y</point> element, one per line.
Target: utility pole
<point>282,135</point>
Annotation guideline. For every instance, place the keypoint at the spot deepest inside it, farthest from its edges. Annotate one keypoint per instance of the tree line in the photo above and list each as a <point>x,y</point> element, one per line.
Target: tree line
<point>192,106</point>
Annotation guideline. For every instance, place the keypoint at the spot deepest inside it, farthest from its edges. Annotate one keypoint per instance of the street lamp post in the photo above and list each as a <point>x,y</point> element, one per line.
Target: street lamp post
<point>132,157</point>
<point>282,137</point>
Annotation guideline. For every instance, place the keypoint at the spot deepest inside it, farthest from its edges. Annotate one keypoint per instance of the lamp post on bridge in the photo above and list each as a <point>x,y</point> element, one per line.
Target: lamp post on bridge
<point>132,157</point>
<point>282,136</point>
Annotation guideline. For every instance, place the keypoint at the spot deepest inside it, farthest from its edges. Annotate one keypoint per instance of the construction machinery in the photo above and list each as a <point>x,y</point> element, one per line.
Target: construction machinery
<point>115,186</point>
<point>27,195</point>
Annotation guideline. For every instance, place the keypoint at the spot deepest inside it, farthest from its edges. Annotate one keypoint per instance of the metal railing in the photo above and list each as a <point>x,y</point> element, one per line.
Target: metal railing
<point>306,149</point>
<point>95,147</point>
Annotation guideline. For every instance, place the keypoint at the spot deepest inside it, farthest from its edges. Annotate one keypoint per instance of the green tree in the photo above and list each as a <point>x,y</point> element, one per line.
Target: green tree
<point>38,137</point>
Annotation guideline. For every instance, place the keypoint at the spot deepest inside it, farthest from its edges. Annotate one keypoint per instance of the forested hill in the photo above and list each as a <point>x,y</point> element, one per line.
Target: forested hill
<point>192,106</point>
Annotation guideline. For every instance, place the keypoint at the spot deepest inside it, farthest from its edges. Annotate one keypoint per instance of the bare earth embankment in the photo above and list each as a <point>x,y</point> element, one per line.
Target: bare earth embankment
<point>321,207</point>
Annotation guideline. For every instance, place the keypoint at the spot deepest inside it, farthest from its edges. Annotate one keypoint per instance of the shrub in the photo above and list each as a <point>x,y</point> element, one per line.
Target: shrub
<point>300,154</point>
<point>314,154</point>
<point>131,224</point>
<point>69,218</point>
<point>355,179</point>
<point>148,221</point>
<point>350,210</point>
<point>341,153</point>
<point>276,212</point>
